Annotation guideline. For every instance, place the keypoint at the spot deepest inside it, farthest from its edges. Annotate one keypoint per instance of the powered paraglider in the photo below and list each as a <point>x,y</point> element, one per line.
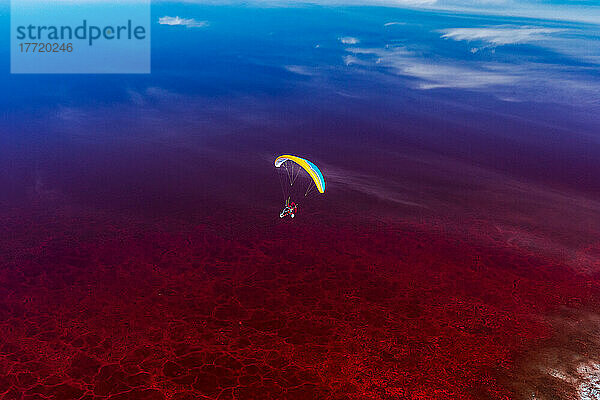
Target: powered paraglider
<point>299,178</point>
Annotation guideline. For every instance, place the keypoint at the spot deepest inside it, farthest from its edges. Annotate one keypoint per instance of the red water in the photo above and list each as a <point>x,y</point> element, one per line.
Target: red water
<point>99,307</point>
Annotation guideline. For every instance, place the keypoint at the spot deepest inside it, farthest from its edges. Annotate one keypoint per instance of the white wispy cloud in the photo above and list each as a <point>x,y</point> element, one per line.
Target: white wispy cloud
<point>394,23</point>
<point>574,42</point>
<point>500,35</point>
<point>371,186</point>
<point>510,81</point>
<point>448,76</point>
<point>430,75</point>
<point>540,10</point>
<point>187,22</point>
<point>300,70</point>
<point>349,40</point>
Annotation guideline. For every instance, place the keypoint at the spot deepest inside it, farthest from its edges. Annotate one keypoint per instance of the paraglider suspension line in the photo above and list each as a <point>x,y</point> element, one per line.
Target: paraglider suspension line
<point>296,176</point>
<point>283,185</point>
<point>287,170</point>
<point>309,189</point>
<point>292,172</point>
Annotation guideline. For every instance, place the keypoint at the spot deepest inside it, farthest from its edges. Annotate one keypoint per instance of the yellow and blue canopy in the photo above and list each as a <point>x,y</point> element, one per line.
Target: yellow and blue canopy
<point>312,169</point>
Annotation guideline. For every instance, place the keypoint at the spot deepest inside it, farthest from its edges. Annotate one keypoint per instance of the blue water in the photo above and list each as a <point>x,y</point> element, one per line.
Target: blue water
<point>328,81</point>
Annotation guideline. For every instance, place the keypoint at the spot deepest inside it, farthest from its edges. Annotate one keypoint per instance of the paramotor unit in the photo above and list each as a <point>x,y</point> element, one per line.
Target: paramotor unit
<point>298,177</point>
<point>290,209</point>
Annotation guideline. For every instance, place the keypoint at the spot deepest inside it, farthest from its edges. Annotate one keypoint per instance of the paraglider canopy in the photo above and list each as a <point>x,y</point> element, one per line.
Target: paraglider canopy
<point>313,171</point>
<point>298,177</point>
